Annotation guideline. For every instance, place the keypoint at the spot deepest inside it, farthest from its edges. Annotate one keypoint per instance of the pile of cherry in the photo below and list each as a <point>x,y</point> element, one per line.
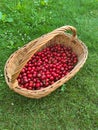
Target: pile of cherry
<point>47,66</point>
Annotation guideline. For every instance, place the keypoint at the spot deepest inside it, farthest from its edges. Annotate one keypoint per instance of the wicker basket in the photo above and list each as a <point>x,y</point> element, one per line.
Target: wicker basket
<point>19,58</point>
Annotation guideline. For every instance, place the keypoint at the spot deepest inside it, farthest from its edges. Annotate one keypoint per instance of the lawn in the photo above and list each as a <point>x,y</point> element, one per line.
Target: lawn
<point>74,106</point>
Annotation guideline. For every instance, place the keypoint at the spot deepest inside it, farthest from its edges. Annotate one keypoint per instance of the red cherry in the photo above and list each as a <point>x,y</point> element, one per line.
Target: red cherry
<point>29,75</point>
<point>29,68</point>
<point>51,78</point>
<point>38,85</point>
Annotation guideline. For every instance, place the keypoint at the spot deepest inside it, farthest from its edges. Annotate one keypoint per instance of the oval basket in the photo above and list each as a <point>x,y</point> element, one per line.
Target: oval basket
<point>19,58</point>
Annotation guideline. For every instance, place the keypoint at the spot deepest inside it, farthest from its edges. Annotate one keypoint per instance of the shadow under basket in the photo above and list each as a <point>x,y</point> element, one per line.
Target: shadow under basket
<point>19,58</point>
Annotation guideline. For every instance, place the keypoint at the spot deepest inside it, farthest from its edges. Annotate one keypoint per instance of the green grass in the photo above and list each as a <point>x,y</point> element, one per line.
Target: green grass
<point>71,107</point>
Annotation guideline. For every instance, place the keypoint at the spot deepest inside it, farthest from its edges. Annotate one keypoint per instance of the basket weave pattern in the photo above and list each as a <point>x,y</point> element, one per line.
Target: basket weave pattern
<point>19,58</point>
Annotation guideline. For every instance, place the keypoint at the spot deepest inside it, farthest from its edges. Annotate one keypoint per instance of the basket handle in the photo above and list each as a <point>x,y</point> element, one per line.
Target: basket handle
<point>66,28</point>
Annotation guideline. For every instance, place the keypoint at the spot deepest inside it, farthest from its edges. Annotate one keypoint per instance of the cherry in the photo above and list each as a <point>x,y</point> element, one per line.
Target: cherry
<point>29,75</point>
